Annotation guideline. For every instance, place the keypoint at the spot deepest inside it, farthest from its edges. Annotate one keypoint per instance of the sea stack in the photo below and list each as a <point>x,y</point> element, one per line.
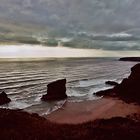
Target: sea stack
<point>4,98</point>
<point>55,91</point>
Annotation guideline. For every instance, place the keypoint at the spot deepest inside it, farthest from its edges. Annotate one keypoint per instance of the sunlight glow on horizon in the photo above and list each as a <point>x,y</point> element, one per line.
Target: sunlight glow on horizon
<point>38,51</point>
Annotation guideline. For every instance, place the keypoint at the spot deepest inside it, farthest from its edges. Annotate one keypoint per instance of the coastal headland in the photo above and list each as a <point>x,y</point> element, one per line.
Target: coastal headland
<point>115,116</point>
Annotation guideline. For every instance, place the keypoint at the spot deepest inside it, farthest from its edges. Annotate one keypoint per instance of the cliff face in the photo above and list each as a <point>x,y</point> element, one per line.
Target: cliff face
<point>130,86</point>
<point>128,89</point>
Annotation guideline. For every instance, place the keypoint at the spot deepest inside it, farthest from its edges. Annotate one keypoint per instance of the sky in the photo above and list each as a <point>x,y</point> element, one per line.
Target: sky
<point>100,15</point>
<point>114,24</point>
<point>22,52</point>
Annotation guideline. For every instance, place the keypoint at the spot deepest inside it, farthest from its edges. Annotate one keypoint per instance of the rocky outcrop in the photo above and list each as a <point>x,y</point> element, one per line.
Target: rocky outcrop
<point>111,83</point>
<point>131,85</point>
<point>128,89</point>
<point>55,91</point>
<point>20,125</point>
<point>4,98</point>
<point>130,59</point>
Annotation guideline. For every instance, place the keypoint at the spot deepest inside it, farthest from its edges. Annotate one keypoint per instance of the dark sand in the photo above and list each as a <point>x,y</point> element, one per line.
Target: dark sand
<point>105,108</point>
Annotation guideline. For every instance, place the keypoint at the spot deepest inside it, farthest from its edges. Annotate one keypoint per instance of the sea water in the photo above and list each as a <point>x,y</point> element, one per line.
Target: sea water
<point>26,81</point>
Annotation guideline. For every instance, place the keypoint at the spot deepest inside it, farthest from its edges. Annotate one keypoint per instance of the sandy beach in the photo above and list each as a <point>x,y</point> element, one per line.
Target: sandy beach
<point>105,108</point>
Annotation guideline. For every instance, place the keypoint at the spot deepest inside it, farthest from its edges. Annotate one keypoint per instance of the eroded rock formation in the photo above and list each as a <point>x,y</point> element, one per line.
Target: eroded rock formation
<point>55,91</point>
<point>4,98</point>
<point>128,89</point>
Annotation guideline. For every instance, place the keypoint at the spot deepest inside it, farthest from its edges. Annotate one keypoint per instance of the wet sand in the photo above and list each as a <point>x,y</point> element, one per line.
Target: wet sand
<point>105,108</point>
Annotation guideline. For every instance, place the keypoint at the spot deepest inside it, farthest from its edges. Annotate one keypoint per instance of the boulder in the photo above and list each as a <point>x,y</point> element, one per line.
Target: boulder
<point>112,83</point>
<point>4,98</point>
<point>55,91</point>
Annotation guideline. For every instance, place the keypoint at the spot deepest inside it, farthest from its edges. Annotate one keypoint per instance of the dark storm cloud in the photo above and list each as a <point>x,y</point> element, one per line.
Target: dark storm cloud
<point>100,15</point>
<point>104,18</point>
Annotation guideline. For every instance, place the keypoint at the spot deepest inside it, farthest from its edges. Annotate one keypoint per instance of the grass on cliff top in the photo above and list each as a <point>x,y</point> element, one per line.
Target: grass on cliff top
<point>19,125</point>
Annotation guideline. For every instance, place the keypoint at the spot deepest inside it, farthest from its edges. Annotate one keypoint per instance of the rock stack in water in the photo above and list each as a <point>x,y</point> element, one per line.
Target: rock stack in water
<point>128,89</point>
<point>111,83</point>
<point>4,98</point>
<point>55,91</point>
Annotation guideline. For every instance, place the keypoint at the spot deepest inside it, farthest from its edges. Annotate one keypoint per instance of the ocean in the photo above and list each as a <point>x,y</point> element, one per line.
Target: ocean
<point>26,81</point>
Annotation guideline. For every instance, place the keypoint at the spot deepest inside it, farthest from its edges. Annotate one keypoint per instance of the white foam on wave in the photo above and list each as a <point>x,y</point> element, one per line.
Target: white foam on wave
<point>16,105</point>
<point>92,82</point>
<point>74,93</point>
<point>100,88</point>
<point>57,106</point>
<point>93,97</point>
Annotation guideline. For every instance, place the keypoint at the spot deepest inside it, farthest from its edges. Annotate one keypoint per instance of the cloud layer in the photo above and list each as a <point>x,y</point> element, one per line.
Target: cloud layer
<point>99,15</point>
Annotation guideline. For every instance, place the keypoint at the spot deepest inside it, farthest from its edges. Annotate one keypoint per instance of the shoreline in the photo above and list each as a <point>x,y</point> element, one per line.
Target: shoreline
<point>85,111</point>
<point>110,118</point>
